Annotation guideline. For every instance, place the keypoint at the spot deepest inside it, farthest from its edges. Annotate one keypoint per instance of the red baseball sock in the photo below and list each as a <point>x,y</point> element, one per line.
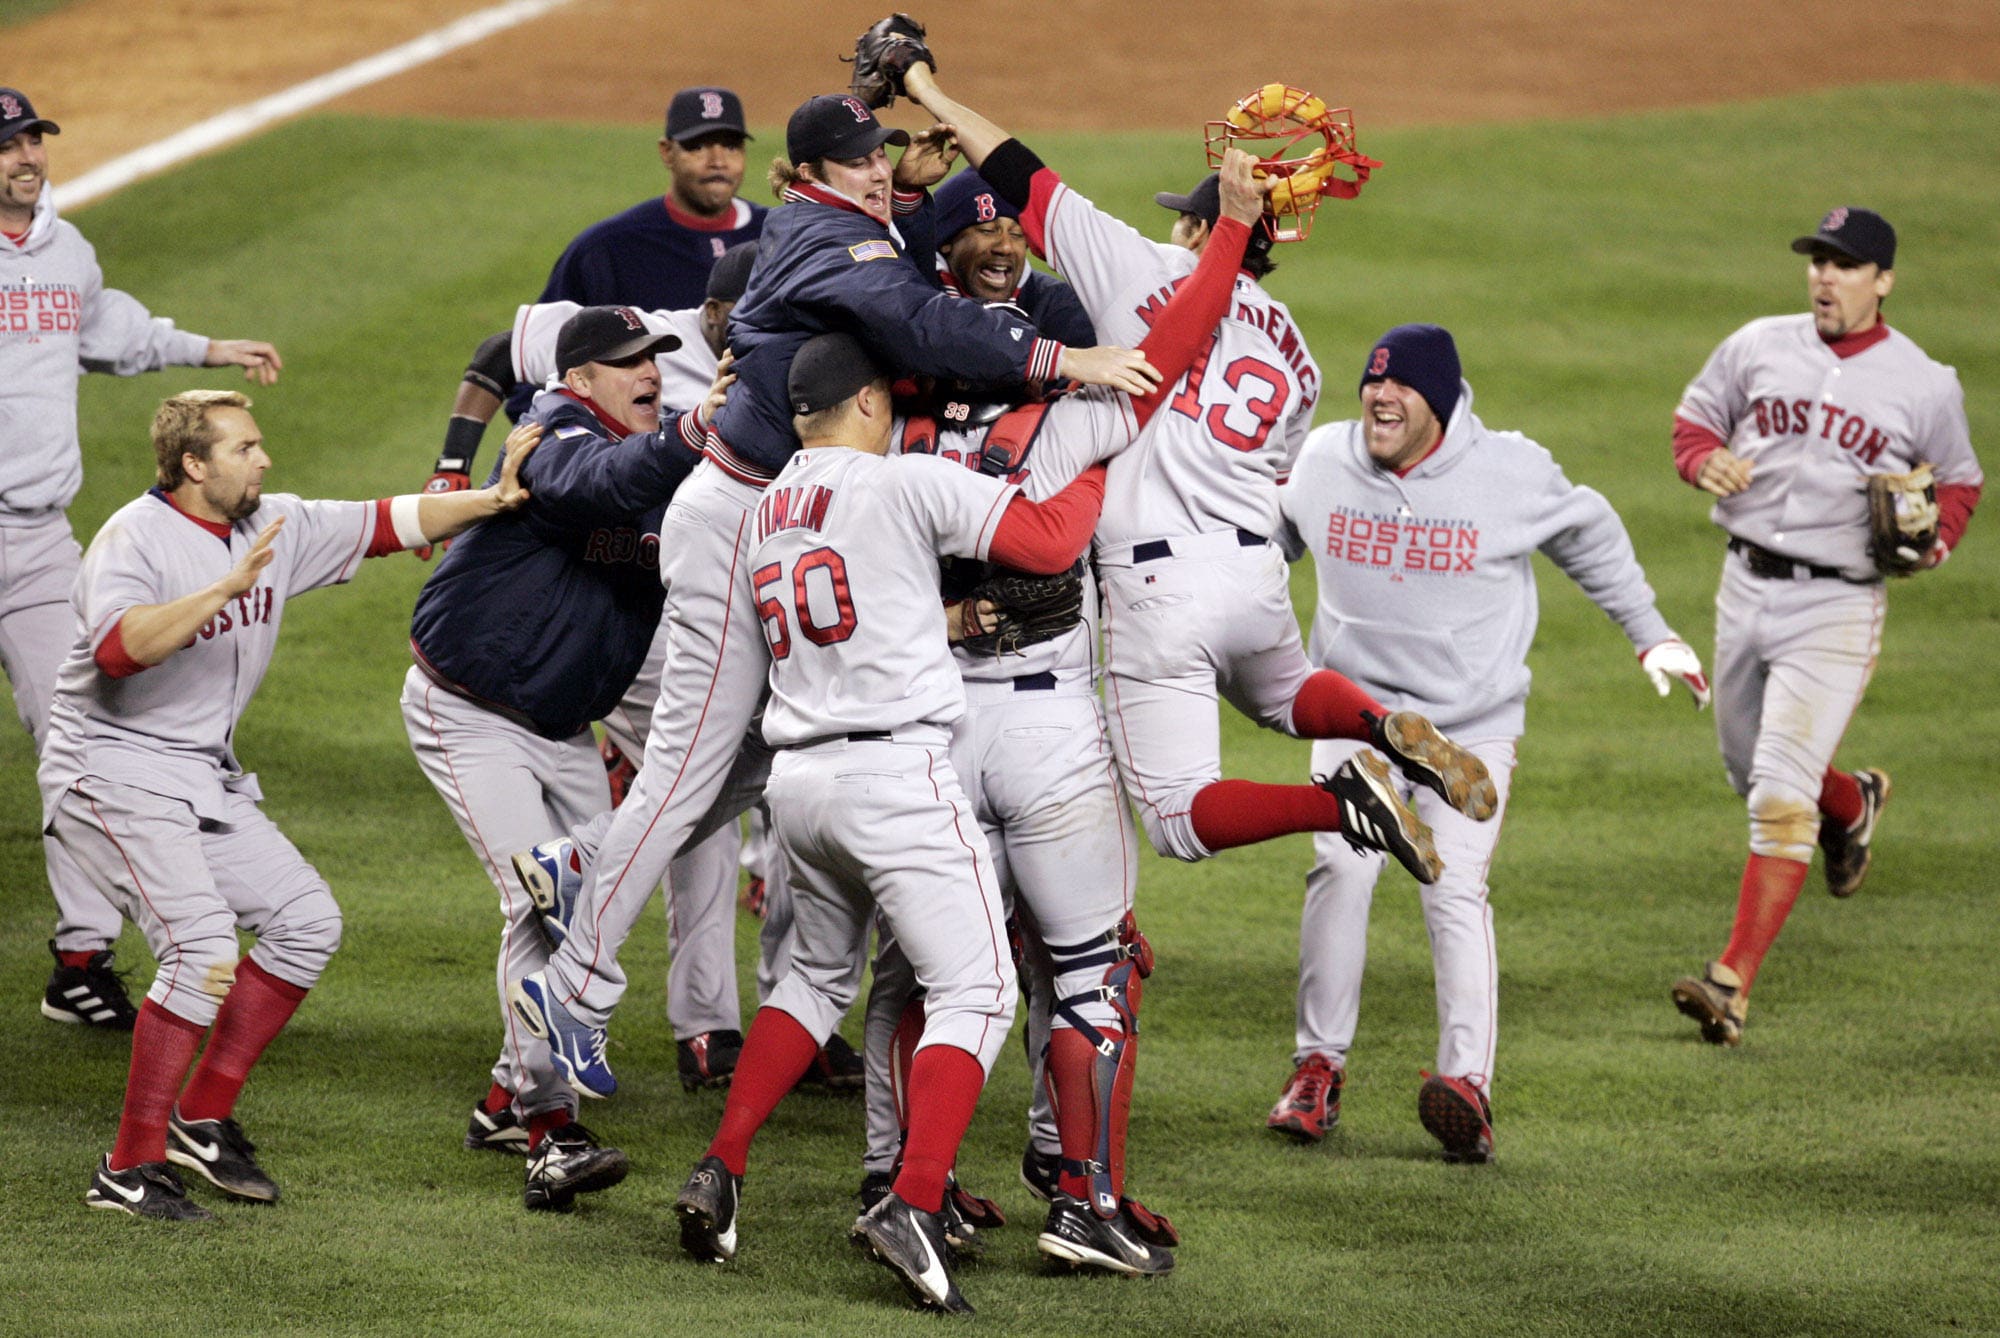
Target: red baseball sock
<point>78,959</point>
<point>497,1099</point>
<point>1071,1062</point>
<point>1234,813</point>
<point>775,1053</point>
<point>257,1009</point>
<point>945,1082</point>
<point>1840,797</point>
<point>1329,706</point>
<point>542,1125</point>
<point>1770,886</point>
<point>163,1045</point>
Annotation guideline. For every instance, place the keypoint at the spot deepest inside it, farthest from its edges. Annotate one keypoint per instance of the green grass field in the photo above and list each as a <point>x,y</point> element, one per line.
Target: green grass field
<point>1839,1174</point>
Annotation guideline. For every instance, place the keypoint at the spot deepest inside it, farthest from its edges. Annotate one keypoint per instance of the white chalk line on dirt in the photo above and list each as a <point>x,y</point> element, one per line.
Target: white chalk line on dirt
<point>238,122</point>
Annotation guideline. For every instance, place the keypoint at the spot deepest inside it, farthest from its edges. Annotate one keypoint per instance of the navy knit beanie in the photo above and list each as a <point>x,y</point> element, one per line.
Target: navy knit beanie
<point>1422,357</point>
<point>966,199</point>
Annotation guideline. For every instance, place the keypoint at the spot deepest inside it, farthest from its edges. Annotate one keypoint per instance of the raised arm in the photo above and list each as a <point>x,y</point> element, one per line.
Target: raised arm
<point>147,634</point>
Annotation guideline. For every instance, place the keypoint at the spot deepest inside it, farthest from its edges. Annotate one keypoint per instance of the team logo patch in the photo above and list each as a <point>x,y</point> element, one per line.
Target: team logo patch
<point>983,208</point>
<point>630,317</point>
<point>859,108</point>
<point>876,250</point>
<point>10,107</point>
<point>1378,365</point>
<point>1835,220</point>
<point>711,106</point>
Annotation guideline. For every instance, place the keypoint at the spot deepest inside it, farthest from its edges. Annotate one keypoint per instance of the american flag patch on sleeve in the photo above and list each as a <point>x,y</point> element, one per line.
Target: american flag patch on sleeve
<point>875,250</point>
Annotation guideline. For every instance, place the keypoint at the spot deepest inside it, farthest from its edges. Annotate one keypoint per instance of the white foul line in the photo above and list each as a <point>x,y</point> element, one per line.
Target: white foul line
<point>251,117</point>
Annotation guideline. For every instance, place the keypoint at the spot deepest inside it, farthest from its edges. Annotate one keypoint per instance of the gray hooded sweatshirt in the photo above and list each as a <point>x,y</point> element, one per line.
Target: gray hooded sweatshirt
<point>57,321</point>
<point>1426,592</point>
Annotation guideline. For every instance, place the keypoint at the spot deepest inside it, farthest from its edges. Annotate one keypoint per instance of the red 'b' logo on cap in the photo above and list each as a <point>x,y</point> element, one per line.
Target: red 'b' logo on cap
<point>859,108</point>
<point>630,317</point>
<point>9,106</point>
<point>982,207</point>
<point>1835,220</point>
<point>711,106</point>
<point>1379,364</point>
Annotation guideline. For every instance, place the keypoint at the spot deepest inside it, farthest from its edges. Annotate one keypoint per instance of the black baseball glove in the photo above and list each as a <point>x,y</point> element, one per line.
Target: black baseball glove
<point>883,54</point>
<point>1026,610</point>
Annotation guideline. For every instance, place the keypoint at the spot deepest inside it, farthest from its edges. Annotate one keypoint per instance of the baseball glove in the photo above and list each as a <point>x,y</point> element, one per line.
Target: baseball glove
<point>1026,610</point>
<point>1902,520</point>
<point>883,54</point>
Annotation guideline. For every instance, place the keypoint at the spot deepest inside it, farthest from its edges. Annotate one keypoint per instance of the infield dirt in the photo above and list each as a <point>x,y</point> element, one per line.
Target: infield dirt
<point>119,75</point>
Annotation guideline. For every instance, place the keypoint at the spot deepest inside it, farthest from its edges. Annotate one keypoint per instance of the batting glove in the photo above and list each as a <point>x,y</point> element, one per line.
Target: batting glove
<point>445,480</point>
<point>1673,659</point>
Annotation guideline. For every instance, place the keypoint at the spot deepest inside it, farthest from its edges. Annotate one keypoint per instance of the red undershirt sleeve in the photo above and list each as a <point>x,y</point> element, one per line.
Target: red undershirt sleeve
<point>1693,444</point>
<point>1046,537</point>
<point>113,660</point>
<point>1955,504</point>
<point>384,540</point>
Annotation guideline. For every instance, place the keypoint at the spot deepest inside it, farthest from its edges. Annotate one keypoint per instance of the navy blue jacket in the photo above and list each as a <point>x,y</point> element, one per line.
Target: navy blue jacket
<point>1056,310</point>
<point>826,265</point>
<point>544,614</point>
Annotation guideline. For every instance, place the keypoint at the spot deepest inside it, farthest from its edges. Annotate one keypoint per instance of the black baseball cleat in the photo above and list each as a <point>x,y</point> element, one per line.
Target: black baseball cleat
<point>707,1209</point>
<point>1457,1115</point>
<point>496,1131</point>
<point>92,995</point>
<point>708,1060</point>
<point>569,1162</point>
<point>836,1067</point>
<point>218,1151</point>
<point>1374,817</point>
<point>875,1186</point>
<point>1846,848</point>
<point>910,1243</point>
<point>1435,762</point>
<point>150,1189</point>
<point>1041,1172</point>
<point>1076,1236</point>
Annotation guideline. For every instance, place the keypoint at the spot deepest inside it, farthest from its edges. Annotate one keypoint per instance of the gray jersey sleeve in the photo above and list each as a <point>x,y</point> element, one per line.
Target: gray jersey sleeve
<point>1580,533</point>
<point>1716,398</point>
<point>120,336</point>
<point>323,542</point>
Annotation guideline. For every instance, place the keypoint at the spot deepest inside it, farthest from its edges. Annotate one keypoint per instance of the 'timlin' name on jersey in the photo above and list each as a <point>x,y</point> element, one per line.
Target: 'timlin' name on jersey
<point>792,508</point>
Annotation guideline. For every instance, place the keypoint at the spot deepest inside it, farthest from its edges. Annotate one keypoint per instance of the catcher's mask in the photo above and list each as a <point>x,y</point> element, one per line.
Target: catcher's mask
<point>1312,141</point>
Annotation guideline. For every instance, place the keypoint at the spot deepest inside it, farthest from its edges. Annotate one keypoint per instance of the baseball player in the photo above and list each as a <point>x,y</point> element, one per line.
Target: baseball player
<point>1195,595</point>
<point>57,320</point>
<point>1422,523</point>
<point>1032,756</point>
<point>658,254</point>
<point>702,1004</point>
<point>178,607</point>
<point>983,254</point>
<point>843,556</point>
<point>1783,426</point>
<point>834,255</point>
<point>528,630</point>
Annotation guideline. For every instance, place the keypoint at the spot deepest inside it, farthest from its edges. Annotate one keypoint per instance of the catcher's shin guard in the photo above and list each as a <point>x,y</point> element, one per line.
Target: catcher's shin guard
<point>1092,1061</point>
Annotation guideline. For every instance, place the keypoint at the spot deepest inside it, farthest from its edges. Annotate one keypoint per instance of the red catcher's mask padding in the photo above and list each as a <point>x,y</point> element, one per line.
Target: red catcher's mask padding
<point>1293,117</point>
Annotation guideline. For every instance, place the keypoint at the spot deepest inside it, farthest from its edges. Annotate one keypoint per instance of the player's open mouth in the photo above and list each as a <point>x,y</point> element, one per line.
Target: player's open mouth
<point>646,401</point>
<point>1000,276</point>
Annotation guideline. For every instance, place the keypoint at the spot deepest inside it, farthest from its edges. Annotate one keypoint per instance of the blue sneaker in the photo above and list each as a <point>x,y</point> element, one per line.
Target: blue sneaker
<point>577,1048</point>
<point>552,876</point>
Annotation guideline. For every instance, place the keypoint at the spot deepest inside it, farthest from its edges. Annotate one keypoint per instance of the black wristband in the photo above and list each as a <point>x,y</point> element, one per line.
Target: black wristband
<point>492,367</point>
<point>1010,169</point>
<point>461,444</point>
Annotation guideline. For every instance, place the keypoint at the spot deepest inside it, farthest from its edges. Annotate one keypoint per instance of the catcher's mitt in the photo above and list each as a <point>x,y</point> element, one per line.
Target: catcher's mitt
<point>1902,520</point>
<point>883,54</point>
<point>1027,610</point>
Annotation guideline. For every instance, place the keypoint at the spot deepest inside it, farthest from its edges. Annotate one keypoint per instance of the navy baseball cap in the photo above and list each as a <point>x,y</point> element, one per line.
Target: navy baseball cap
<point>828,369</point>
<point>1862,234</point>
<point>731,274</point>
<point>967,198</point>
<point>837,125</point>
<point>607,334</point>
<point>1204,201</point>
<point>695,112</point>
<point>18,114</point>
<point>1422,357</point>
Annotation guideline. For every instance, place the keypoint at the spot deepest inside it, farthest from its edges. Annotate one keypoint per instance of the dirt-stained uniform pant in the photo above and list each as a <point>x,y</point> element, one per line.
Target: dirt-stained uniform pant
<point>1333,929</point>
<point>1214,616</point>
<point>507,787</point>
<point>1792,659</point>
<point>38,567</point>
<point>884,823</point>
<point>704,764</point>
<point>191,884</point>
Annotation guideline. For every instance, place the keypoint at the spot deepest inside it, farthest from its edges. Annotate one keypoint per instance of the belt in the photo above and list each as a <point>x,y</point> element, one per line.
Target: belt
<point>1159,548</point>
<point>1777,567</point>
<point>870,736</point>
<point>1042,682</point>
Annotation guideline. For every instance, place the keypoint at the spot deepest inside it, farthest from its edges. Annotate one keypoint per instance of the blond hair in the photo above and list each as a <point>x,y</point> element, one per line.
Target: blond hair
<point>181,427</point>
<point>783,176</point>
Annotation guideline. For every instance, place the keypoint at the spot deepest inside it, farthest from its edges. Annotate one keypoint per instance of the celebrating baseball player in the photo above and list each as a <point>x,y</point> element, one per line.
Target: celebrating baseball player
<point>178,607</point>
<point>1422,522</point>
<point>843,557</point>
<point>658,254</point>
<point>528,630</point>
<point>1838,453</point>
<point>57,320</point>
<point>834,256</point>
<point>1196,599</point>
<point>983,254</point>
